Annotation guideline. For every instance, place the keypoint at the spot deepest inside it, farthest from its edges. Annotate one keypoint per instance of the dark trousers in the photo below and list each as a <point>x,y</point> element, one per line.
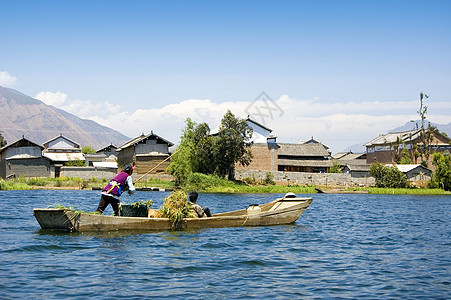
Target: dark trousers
<point>105,200</point>
<point>207,211</point>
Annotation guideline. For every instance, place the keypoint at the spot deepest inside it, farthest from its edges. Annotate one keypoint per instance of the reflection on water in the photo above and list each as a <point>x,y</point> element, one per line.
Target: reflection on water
<point>343,246</point>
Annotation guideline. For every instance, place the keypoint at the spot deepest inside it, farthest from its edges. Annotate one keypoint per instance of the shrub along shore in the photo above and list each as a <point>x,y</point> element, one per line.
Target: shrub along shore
<point>206,184</point>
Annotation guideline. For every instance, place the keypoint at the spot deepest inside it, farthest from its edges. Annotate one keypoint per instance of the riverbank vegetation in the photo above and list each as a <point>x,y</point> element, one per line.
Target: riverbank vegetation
<point>22,183</point>
<point>207,184</point>
<point>402,191</point>
<point>12,185</point>
<point>442,175</point>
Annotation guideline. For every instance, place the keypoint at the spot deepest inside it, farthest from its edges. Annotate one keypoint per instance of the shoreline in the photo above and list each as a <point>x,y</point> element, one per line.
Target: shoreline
<point>322,190</point>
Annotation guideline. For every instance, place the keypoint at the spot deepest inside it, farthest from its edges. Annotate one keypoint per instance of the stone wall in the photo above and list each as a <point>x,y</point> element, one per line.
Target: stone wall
<point>323,179</point>
<point>88,172</point>
<point>29,167</point>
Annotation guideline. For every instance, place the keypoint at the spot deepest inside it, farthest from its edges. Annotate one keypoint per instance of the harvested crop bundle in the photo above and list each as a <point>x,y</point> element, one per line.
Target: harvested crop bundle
<point>176,207</point>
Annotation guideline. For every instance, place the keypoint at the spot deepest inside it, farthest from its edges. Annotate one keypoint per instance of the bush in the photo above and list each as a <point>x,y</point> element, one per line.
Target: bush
<point>388,176</point>
<point>75,163</point>
<point>336,168</point>
<point>7,185</point>
<point>269,179</point>
<point>442,175</point>
<point>199,181</point>
<point>250,181</point>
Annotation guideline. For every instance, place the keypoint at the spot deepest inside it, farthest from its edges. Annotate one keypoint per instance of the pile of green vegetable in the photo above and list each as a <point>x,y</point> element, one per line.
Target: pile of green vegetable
<point>176,207</point>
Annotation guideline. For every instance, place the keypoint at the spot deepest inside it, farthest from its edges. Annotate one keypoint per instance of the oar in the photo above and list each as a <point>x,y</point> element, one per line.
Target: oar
<point>142,176</point>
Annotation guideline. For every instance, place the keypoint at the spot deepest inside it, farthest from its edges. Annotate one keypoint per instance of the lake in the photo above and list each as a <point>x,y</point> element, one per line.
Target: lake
<point>343,246</point>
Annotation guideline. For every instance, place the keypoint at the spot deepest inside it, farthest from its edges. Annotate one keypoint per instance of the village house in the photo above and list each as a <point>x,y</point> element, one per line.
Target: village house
<point>415,173</point>
<point>145,152</point>
<point>264,148</point>
<point>386,148</point>
<point>105,157</point>
<point>306,157</point>
<point>59,151</point>
<point>109,150</point>
<point>268,155</point>
<point>352,163</point>
<point>23,159</point>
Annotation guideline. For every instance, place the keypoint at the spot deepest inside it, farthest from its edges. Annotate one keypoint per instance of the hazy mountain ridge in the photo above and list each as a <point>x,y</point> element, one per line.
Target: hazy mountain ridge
<point>21,115</point>
<point>444,128</point>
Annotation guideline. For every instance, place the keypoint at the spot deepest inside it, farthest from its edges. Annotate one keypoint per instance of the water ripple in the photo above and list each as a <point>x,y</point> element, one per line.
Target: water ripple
<point>343,247</point>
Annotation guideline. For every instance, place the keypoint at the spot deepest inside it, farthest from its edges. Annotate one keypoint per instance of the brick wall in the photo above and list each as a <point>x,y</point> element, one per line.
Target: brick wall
<point>383,157</point>
<point>261,158</point>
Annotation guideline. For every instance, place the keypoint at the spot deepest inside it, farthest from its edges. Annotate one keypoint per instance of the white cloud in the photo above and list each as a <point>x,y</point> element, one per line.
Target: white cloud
<point>7,80</point>
<point>56,99</point>
<point>338,125</point>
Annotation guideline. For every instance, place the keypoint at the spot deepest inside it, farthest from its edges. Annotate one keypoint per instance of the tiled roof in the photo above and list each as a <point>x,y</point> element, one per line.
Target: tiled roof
<point>355,167</point>
<point>392,137</point>
<point>62,136</point>
<point>303,150</point>
<point>19,143</point>
<point>57,156</point>
<point>106,147</point>
<point>408,167</point>
<point>142,138</point>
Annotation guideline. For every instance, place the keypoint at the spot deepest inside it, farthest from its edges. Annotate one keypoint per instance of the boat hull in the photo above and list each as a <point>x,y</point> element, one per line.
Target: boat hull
<point>278,212</point>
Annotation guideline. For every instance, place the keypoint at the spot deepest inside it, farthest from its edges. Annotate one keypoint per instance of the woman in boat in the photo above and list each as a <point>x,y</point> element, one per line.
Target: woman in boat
<point>196,208</point>
<point>113,190</point>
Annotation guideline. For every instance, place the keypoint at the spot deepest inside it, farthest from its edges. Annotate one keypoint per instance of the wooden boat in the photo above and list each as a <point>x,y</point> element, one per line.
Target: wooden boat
<point>280,211</point>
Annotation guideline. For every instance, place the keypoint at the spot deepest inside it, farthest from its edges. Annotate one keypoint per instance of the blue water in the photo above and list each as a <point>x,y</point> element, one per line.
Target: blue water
<point>343,246</point>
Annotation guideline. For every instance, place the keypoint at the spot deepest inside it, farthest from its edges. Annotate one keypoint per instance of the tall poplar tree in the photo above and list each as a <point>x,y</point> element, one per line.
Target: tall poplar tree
<point>233,142</point>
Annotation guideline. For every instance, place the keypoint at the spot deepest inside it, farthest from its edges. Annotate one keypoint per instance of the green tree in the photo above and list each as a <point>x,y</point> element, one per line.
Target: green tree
<point>336,168</point>
<point>388,176</point>
<point>75,163</point>
<point>204,159</point>
<point>2,140</point>
<point>201,152</point>
<point>181,165</point>
<point>442,175</point>
<point>405,157</point>
<point>232,145</point>
<point>87,149</point>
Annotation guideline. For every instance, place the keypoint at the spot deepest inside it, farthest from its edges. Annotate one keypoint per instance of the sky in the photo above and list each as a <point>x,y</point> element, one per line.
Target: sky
<point>340,71</point>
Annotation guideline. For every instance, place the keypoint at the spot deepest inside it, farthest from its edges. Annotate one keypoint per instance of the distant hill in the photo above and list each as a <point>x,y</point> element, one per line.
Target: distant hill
<point>21,115</point>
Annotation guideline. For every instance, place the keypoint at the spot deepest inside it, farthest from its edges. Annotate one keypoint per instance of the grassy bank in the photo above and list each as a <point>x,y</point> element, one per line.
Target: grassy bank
<point>392,191</point>
<point>43,182</point>
<point>10,185</point>
<point>200,183</point>
<point>22,183</point>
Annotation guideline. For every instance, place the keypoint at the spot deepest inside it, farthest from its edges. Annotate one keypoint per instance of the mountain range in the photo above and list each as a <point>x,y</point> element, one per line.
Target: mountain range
<point>22,115</point>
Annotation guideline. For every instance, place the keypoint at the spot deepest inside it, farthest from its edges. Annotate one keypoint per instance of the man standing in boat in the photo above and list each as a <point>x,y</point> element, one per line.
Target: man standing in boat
<point>196,208</point>
<point>113,190</point>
